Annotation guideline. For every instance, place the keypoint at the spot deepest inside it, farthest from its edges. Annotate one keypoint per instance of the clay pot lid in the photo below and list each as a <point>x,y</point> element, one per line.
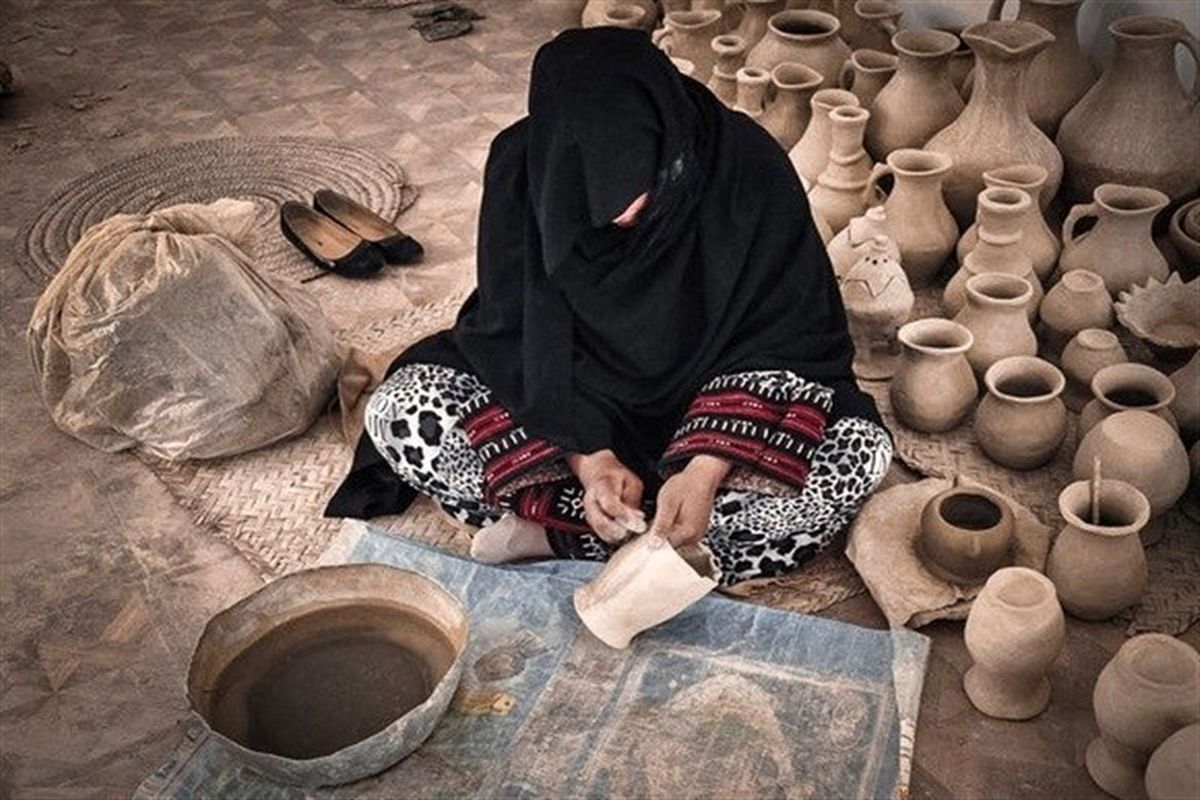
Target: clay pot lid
<point>1024,380</point>
<point>1123,508</point>
<point>1007,40</point>
<point>925,42</point>
<point>804,25</point>
<point>794,75</point>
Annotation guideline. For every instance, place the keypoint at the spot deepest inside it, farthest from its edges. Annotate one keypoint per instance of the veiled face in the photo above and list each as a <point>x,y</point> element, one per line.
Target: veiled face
<point>629,217</point>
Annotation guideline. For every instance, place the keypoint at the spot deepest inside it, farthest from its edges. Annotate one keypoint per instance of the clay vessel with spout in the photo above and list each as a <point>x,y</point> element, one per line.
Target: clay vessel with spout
<point>788,113</point>
<point>918,219</point>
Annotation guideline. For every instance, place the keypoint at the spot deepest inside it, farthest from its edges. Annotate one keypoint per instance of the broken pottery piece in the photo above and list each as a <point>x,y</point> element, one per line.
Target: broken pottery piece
<point>934,387</point>
<point>1139,448</point>
<point>878,301</point>
<point>1090,351</point>
<point>1173,772</point>
<point>1022,421</point>
<point>645,583</point>
<point>1165,315</point>
<point>966,533</point>
<point>1128,387</point>
<point>1014,633</point>
<point>1149,690</point>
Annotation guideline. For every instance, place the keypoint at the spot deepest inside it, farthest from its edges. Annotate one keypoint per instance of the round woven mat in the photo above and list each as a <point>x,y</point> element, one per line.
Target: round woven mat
<point>264,170</point>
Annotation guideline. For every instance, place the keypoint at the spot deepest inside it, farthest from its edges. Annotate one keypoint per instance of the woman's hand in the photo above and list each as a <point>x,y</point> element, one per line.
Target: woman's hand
<point>612,495</point>
<point>686,499</point>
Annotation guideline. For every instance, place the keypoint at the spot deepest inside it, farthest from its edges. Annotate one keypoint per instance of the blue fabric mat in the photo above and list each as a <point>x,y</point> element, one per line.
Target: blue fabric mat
<point>727,700</point>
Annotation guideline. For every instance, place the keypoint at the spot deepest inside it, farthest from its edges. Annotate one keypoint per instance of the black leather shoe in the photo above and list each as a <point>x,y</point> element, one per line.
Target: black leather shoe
<point>397,246</point>
<point>327,244</point>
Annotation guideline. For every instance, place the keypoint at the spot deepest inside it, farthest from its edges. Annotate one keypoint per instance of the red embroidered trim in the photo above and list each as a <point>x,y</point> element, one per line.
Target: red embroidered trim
<point>748,452</point>
<point>537,503</point>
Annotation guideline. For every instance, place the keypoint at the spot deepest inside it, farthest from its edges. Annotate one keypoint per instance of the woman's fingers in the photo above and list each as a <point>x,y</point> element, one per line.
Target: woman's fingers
<point>629,519</point>
<point>667,513</point>
<point>604,523</point>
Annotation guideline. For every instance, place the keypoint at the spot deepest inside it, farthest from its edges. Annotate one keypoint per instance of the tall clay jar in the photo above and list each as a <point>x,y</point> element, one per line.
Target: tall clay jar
<point>918,220</point>
<point>787,115</point>
<point>871,24</point>
<point>1149,690</point>
<point>1022,420</point>
<point>1037,240</point>
<point>1098,565</point>
<point>1090,351</point>
<point>839,194</point>
<point>995,315</point>
<point>920,99</point>
<point>1001,211</point>
<point>730,51</point>
<point>751,89</point>
<point>1014,633</point>
<point>867,72</point>
<point>753,26</point>
<point>1077,302</point>
<point>934,387</point>
<point>808,37</point>
<point>994,130</point>
<point>689,35</point>
<point>811,153</point>
<point>1120,247</point>
<point>1138,125</point>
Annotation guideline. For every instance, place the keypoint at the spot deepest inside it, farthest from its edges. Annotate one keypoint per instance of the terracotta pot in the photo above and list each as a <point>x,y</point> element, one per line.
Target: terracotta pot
<point>689,35</point>
<point>1037,240</point>
<point>1120,248</point>
<point>811,153</point>
<point>994,130</point>
<point>787,115</point>
<point>1149,690</point>
<point>751,89</point>
<point>1128,387</point>
<point>995,315</point>
<point>1139,448</point>
<point>966,534</point>
<point>1099,566</point>
<point>730,51</point>
<point>934,387</point>
<point>878,301</point>
<point>1001,214</point>
<point>808,37</point>
<point>1060,74</point>
<point>920,99</point>
<point>1162,314</point>
<point>638,14</point>
<point>1184,232</point>
<point>853,242</point>
<point>644,584</point>
<point>1090,351</point>
<point>1186,405</point>
<point>1173,772</point>
<point>871,23</point>
<point>866,72</point>
<point>838,195</point>
<point>1014,633</point>
<point>918,219</point>
<point>754,19</point>
<point>1137,125</point>
<point>1077,302</point>
<point>730,11</point>
<point>962,61</point>
<point>1022,420</point>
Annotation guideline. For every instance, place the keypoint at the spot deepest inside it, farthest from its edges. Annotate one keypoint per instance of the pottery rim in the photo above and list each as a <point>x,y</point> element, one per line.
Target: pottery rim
<point>877,9</point>
<point>1007,41</point>
<point>692,20</point>
<point>1030,177</point>
<point>1115,377</point>
<point>1147,657</point>
<point>1020,588</point>
<point>917,163</point>
<point>1006,200</point>
<point>804,25</point>
<point>925,42</point>
<point>624,12</point>
<point>936,336</point>
<point>997,504</point>
<point>753,75</point>
<point>728,44</point>
<point>1129,201</point>
<point>1083,280</point>
<point>999,289</point>
<point>825,100</point>
<point>1075,503</point>
<point>1185,222</point>
<point>1097,339</point>
<point>867,60</point>
<point>1144,28</point>
<point>789,75</point>
<point>849,114</point>
<point>1029,368</point>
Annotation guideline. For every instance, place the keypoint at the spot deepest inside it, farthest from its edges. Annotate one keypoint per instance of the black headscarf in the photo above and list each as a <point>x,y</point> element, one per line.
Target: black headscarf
<point>597,336</point>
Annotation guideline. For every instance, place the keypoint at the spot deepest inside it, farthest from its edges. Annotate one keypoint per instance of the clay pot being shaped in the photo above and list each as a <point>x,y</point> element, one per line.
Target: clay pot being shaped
<point>637,14</point>
<point>1128,387</point>
<point>1098,565</point>
<point>1137,126</point>
<point>689,35</point>
<point>878,301</point>
<point>811,153</point>
<point>966,534</point>
<point>994,130</point>
<point>838,196</point>
<point>644,584</point>
<point>1060,74</point>
<point>920,99</point>
<point>995,315</point>
<point>918,219</point>
<point>1173,772</point>
<point>1090,351</point>
<point>1078,301</point>
<point>871,24</point>
<point>808,37</point>
<point>753,26</point>
<point>1186,405</point>
<point>730,51</point>
<point>1022,420</point>
<point>1014,632</point>
<point>1148,691</point>
<point>1037,240</point>
<point>934,387</point>
<point>866,73</point>
<point>788,113</point>
<point>751,89</point>
<point>1001,211</point>
<point>1184,233</point>
<point>1120,247</point>
<point>854,241</point>
<point>1141,449</point>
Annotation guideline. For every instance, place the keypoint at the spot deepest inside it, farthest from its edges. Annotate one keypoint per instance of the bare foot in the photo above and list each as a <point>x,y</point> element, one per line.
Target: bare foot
<point>510,539</point>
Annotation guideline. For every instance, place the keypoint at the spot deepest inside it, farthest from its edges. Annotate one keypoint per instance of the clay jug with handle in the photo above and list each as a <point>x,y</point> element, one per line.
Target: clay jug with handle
<point>1037,240</point>
<point>1120,247</point>
<point>867,72</point>
<point>788,113</point>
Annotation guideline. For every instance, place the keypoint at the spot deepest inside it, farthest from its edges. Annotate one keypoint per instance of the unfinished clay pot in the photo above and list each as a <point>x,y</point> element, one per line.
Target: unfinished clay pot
<point>1022,420</point>
<point>853,242</point>
<point>755,15</point>
<point>1186,405</point>
<point>871,24</point>
<point>689,35</point>
<point>1098,565</point>
<point>995,313</point>
<point>730,50</point>
<point>751,89</point>
<point>920,99</point>
<point>1137,125</point>
<point>805,36</point>
<point>1184,232</point>
<point>1078,301</point>
<point>1120,248</point>
<point>638,14</point>
<point>1014,633</point>
<point>644,584</point>
<point>918,220</point>
<point>1173,772</point>
<point>1037,240</point>
<point>839,193</point>
<point>934,387</point>
<point>1001,211</point>
<point>788,113</point>
<point>811,153</point>
<point>866,73</point>
<point>966,534</point>
<point>1128,387</point>
<point>878,301</point>
<point>994,130</point>
<point>1090,351</point>
<point>1141,449</point>
<point>1149,690</point>
<point>1165,315</point>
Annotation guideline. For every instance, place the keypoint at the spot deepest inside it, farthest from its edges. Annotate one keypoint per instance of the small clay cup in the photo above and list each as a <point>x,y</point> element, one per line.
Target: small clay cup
<point>1021,421</point>
<point>935,386</point>
<point>1128,387</point>
<point>966,534</point>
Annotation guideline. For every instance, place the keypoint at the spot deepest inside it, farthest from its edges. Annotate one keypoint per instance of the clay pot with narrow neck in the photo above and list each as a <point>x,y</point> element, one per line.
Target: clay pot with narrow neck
<point>751,89</point>
<point>730,52</point>
<point>934,387</point>
<point>994,130</point>
<point>1186,406</point>
<point>811,153</point>
<point>866,72</point>
<point>1037,240</point>
<point>1078,301</point>
<point>1148,691</point>
<point>637,14</point>
<point>788,113</point>
<point>1139,448</point>
<point>1098,564</point>
<point>962,61</point>
<point>731,12</point>
<point>1001,214</point>
<point>1137,125</point>
<point>966,534</point>
<point>918,219</point>
<point>878,301</point>
<point>1014,633</point>
<point>1128,387</point>
<point>857,238</point>
<point>995,315</point>
<point>1061,74</point>
<point>838,196</point>
<point>808,37</point>
<point>689,35</point>
<point>871,23</point>
<point>1090,351</point>
<point>1022,420</point>
<point>1120,247</point>
<point>920,99</point>
<point>753,26</point>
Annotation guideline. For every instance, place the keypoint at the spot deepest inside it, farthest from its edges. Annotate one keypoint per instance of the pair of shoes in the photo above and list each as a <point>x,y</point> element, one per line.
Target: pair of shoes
<point>347,238</point>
